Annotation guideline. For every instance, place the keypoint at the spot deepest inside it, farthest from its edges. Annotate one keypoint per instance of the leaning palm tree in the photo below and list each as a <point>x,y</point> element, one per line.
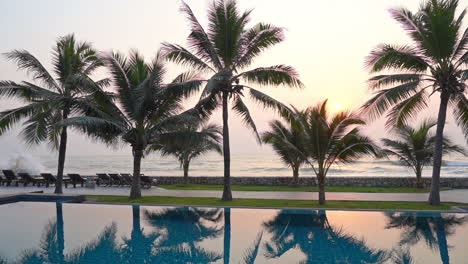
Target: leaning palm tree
<point>435,62</point>
<point>142,111</point>
<point>193,140</point>
<point>50,99</point>
<point>415,147</point>
<point>330,140</point>
<point>280,137</point>
<point>224,51</point>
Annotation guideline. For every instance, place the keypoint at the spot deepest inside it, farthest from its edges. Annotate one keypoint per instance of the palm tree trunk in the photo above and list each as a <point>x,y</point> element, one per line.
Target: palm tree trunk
<point>61,160</point>
<point>227,194</point>
<point>434,197</point>
<point>135,192</point>
<point>60,233</point>
<point>321,185</point>
<point>419,182</point>
<point>227,235</point>
<point>186,169</point>
<point>295,180</point>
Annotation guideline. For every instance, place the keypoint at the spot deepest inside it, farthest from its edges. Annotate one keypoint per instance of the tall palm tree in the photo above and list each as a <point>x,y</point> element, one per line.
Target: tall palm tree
<point>330,140</point>
<point>224,51</point>
<point>280,137</point>
<point>143,110</point>
<point>435,62</point>
<point>193,140</point>
<point>415,147</point>
<point>432,228</point>
<point>50,99</point>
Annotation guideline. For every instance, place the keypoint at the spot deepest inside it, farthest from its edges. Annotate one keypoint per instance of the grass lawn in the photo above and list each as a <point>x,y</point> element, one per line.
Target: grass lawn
<point>272,203</point>
<point>294,189</point>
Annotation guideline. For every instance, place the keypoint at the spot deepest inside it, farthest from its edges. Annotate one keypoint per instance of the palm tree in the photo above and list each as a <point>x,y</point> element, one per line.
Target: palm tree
<point>224,51</point>
<point>142,111</point>
<point>432,228</point>
<point>49,100</point>
<point>330,140</point>
<point>321,242</point>
<point>280,137</point>
<point>435,62</point>
<point>415,147</point>
<point>193,140</point>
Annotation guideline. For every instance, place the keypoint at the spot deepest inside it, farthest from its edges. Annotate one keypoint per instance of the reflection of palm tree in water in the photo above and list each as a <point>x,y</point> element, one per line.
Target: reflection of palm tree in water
<point>137,249</point>
<point>179,231</point>
<point>52,245</point>
<point>311,232</point>
<point>433,228</point>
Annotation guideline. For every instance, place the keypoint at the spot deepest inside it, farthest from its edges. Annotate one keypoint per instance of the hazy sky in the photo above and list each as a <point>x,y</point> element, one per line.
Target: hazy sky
<point>326,41</point>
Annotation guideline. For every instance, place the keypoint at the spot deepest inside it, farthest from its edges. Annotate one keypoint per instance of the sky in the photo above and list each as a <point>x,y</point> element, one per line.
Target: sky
<point>326,41</point>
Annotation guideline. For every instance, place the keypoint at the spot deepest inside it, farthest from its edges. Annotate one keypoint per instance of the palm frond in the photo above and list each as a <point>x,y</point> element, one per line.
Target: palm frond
<point>256,40</point>
<point>274,75</point>
<point>225,27</point>
<point>388,57</point>
<point>268,101</point>
<point>241,109</point>
<point>407,109</point>
<point>31,64</point>
<point>198,38</point>
<point>180,55</point>
<point>11,117</point>
<point>460,111</point>
<point>386,98</point>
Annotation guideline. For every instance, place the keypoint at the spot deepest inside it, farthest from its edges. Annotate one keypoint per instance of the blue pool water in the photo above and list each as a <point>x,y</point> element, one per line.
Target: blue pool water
<point>80,233</point>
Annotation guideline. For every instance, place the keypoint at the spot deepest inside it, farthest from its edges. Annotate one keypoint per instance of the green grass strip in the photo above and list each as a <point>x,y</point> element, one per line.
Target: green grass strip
<point>294,189</point>
<point>197,201</point>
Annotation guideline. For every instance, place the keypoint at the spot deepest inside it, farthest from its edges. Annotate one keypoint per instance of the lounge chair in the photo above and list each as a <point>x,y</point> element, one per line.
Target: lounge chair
<point>51,179</point>
<point>2,180</point>
<point>27,179</point>
<point>127,178</point>
<point>117,179</point>
<point>76,178</point>
<point>103,178</point>
<point>146,181</point>
<point>10,177</point>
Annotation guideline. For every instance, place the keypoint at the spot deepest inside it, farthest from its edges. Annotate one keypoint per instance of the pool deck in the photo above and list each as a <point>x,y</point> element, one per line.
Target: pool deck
<point>458,196</point>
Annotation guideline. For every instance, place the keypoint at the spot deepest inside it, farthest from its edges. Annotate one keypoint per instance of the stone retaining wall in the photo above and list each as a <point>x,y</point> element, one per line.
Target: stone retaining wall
<point>461,182</point>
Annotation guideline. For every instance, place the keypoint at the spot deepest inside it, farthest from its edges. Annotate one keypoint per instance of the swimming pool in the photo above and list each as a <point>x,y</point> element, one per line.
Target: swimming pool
<point>34,232</point>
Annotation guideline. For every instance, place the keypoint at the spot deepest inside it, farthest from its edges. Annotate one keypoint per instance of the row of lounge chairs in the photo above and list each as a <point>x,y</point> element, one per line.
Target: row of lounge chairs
<point>121,179</point>
<point>111,179</point>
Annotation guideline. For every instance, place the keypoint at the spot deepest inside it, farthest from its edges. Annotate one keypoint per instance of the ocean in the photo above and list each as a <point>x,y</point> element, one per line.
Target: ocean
<point>267,165</point>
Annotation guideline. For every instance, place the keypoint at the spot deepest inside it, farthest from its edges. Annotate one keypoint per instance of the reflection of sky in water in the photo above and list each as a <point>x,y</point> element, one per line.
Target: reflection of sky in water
<point>197,234</point>
<point>241,165</point>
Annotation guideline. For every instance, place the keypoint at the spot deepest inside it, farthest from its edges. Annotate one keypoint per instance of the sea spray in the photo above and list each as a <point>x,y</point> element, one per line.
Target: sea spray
<point>14,156</point>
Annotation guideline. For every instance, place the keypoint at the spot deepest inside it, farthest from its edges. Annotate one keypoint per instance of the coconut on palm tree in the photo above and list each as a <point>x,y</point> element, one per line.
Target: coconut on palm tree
<point>193,140</point>
<point>330,139</point>
<point>224,51</point>
<point>286,140</point>
<point>52,97</point>
<point>415,147</point>
<point>143,111</point>
<point>434,63</point>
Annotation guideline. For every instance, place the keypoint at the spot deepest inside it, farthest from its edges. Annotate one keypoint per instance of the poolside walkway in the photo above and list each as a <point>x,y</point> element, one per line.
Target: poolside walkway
<point>459,196</point>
